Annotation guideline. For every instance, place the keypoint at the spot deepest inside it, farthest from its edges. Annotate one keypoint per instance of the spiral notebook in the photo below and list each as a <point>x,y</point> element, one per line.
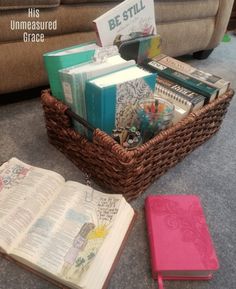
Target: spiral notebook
<point>180,243</point>
<point>185,100</point>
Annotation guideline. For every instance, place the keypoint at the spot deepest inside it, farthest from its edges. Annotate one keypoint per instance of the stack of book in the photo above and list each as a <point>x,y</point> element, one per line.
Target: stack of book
<point>103,82</point>
<point>188,88</point>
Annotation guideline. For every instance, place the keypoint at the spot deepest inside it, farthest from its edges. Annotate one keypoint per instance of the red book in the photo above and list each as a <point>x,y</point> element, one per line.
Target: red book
<point>180,243</point>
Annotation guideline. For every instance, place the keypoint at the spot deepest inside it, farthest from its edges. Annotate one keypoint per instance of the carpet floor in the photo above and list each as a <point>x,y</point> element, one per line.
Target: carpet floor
<point>209,172</point>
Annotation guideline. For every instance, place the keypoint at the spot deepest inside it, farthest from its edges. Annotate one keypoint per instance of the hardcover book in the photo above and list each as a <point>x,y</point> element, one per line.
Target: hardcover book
<point>63,231</point>
<point>59,59</point>
<point>185,100</point>
<point>128,20</point>
<point>74,79</point>
<point>111,99</point>
<point>208,91</point>
<point>206,77</point>
<point>180,243</point>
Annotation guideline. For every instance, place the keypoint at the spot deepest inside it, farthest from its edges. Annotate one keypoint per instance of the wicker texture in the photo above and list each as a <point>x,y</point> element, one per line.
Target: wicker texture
<point>131,172</point>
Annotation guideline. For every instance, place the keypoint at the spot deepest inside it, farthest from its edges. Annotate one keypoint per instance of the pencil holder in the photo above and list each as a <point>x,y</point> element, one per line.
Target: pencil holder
<point>152,116</point>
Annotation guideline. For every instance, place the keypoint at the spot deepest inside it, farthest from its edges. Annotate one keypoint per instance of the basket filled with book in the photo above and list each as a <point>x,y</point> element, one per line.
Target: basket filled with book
<point>123,112</point>
<point>130,172</point>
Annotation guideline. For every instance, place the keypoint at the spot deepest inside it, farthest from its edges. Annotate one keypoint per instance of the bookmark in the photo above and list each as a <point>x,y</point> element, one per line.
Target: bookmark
<point>89,192</point>
<point>160,281</point>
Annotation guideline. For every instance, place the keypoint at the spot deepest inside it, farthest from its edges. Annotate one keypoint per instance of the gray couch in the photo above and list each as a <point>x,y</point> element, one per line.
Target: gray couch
<point>186,26</point>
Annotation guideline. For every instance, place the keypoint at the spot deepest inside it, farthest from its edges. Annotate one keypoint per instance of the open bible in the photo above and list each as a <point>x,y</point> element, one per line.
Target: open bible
<point>66,231</point>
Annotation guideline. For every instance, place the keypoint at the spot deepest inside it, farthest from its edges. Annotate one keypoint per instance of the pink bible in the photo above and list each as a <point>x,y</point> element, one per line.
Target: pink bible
<point>180,243</point>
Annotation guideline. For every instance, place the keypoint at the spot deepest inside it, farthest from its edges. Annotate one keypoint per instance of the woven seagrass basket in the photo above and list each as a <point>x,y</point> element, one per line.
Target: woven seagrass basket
<point>130,172</point>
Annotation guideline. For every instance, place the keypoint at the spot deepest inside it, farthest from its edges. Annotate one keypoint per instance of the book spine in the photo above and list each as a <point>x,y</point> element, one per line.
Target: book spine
<point>173,97</point>
<point>184,80</point>
<point>91,104</point>
<point>101,106</point>
<point>198,74</point>
<point>79,103</point>
<point>53,65</point>
<point>179,93</point>
<point>108,108</point>
<point>148,212</point>
<point>67,88</point>
<point>70,98</point>
<point>79,83</point>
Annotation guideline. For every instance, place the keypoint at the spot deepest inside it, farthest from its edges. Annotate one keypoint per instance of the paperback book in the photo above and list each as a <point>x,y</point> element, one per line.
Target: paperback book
<point>62,230</point>
<point>180,243</point>
<point>130,19</point>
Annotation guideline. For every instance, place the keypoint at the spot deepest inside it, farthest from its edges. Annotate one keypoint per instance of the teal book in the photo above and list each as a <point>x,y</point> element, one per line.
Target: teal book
<point>111,99</point>
<point>74,80</point>
<point>209,92</point>
<point>63,58</point>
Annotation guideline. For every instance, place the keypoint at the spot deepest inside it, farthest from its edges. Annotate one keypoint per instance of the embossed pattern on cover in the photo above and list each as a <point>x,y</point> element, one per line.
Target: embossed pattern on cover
<point>179,237</point>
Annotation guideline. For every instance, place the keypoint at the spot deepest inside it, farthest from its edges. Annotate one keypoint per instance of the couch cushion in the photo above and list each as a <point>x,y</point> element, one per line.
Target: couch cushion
<point>28,72</point>
<point>71,2</point>
<point>186,36</point>
<point>22,4</point>
<point>70,19</point>
<point>168,10</point>
<point>174,10</point>
<point>78,18</point>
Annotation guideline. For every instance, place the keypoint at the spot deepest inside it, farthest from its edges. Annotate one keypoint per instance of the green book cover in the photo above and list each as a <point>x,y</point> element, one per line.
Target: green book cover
<point>191,83</point>
<point>63,58</point>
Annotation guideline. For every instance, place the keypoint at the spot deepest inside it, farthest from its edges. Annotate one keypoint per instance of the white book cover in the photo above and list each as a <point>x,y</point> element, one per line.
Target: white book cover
<point>128,20</point>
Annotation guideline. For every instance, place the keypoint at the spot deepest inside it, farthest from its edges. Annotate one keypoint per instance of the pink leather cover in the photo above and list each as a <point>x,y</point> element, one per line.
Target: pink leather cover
<point>178,235</point>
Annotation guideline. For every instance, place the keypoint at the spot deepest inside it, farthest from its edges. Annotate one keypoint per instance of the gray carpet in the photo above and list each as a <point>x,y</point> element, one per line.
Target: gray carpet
<point>210,172</point>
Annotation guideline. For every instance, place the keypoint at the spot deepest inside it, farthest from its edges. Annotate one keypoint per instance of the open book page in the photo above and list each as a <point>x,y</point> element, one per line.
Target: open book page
<point>65,239</point>
<point>24,192</point>
<point>97,274</point>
